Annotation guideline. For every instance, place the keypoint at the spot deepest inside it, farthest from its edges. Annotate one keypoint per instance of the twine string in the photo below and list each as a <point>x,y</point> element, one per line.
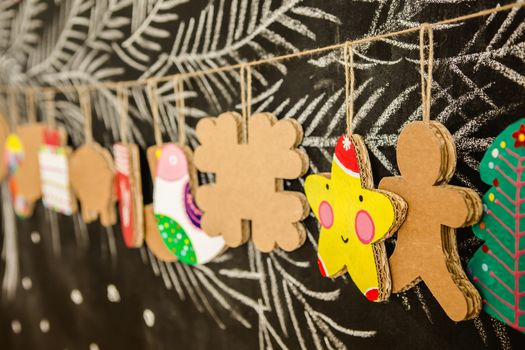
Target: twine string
<point>85,105</point>
<point>50,108</point>
<point>141,82</point>
<point>426,84</point>
<point>178,87</point>
<point>349,85</point>
<point>13,109</point>
<point>246,98</point>
<point>153,97</point>
<point>123,104</point>
<point>31,105</point>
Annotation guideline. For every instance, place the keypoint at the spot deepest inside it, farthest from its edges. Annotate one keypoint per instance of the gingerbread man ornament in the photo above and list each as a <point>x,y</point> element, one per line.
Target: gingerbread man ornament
<point>426,247</point>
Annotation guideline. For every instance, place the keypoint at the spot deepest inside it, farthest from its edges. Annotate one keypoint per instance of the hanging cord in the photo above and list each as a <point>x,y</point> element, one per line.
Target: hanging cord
<point>50,108</point>
<point>153,97</point>
<point>178,87</point>
<point>246,98</point>
<point>31,105</point>
<point>310,52</point>
<point>13,110</point>
<point>85,105</point>
<point>426,86</point>
<point>123,106</point>
<point>349,85</point>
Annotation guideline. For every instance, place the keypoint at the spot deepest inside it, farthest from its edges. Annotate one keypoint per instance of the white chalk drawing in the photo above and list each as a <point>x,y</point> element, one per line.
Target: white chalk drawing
<point>88,41</point>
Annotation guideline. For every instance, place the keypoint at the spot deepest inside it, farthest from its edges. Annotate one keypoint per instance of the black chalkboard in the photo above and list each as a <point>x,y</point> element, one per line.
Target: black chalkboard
<point>78,287</point>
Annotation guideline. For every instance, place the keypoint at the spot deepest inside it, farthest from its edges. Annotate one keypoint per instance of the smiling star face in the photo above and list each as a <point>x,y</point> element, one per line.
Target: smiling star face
<point>353,220</point>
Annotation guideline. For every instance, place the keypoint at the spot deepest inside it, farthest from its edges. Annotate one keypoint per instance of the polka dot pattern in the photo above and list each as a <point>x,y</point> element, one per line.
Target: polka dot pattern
<point>176,239</point>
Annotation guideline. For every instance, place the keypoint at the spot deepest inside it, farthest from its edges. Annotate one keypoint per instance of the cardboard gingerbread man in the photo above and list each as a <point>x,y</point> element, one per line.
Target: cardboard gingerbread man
<point>426,247</point>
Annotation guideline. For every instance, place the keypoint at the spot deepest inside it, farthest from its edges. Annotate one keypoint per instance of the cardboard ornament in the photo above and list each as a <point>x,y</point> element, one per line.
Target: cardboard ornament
<point>128,185</point>
<point>21,157</point>
<point>248,191</point>
<point>152,235</point>
<point>4,132</point>
<point>92,177</point>
<point>355,219</point>
<point>178,217</point>
<point>57,193</point>
<point>498,267</point>
<point>426,247</point>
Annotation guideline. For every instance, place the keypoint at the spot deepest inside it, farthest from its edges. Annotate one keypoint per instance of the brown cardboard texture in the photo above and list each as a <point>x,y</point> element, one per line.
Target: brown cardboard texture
<point>152,234</point>
<point>4,131</point>
<point>426,247</point>
<point>27,177</point>
<point>92,177</point>
<point>153,238</point>
<point>248,191</point>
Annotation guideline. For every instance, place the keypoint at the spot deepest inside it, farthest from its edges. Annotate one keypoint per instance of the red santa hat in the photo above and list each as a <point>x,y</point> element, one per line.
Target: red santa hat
<point>345,156</point>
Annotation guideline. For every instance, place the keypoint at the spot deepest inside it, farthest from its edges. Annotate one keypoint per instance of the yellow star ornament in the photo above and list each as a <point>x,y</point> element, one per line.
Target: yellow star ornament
<point>355,219</point>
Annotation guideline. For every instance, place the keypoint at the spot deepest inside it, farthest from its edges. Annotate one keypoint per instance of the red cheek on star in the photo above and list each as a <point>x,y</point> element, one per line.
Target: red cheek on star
<point>326,214</point>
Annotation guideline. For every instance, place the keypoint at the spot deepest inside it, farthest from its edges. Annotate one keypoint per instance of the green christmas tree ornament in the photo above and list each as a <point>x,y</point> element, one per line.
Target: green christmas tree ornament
<point>498,267</point>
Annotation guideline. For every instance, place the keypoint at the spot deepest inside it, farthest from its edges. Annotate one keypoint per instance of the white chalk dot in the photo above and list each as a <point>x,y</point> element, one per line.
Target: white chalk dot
<point>35,237</point>
<point>495,153</point>
<point>113,293</point>
<point>44,325</point>
<point>172,160</point>
<point>16,326</point>
<point>491,165</point>
<point>93,346</point>
<point>27,283</point>
<point>149,318</point>
<point>76,296</point>
<point>484,267</point>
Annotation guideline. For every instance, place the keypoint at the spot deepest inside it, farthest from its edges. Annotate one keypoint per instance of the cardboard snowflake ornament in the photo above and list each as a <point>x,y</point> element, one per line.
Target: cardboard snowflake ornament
<point>178,217</point>
<point>498,267</point>
<point>21,156</point>
<point>248,191</point>
<point>355,219</point>
<point>57,193</point>
<point>426,247</point>
<point>92,178</point>
<point>128,185</point>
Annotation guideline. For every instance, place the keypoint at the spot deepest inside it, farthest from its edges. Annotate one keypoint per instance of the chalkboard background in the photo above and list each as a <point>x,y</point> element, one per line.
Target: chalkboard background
<point>80,288</point>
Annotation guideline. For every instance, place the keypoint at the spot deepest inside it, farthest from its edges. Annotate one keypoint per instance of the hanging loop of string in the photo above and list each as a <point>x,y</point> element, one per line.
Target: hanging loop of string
<point>31,105</point>
<point>349,85</point>
<point>13,109</point>
<point>153,97</point>
<point>50,108</point>
<point>85,105</point>
<point>178,87</point>
<point>426,85</point>
<point>123,106</point>
<point>246,98</point>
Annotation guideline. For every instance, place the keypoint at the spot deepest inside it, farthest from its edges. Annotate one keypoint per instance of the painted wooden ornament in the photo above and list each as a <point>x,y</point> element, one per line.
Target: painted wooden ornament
<point>21,156</point>
<point>152,235</point>
<point>128,185</point>
<point>426,247</point>
<point>178,217</point>
<point>249,181</point>
<point>92,178</point>
<point>355,219</point>
<point>498,267</point>
<point>57,193</point>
